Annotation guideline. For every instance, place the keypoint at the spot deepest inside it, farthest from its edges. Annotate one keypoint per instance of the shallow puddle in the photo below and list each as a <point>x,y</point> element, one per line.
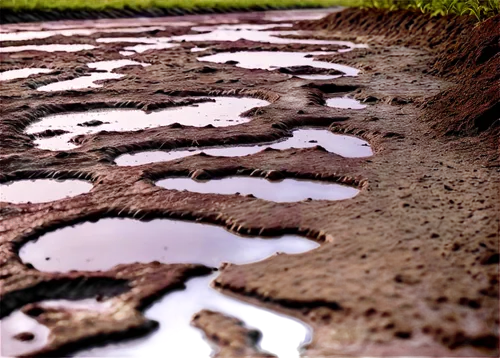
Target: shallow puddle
<point>22,73</point>
<point>281,335</point>
<point>283,191</point>
<point>346,146</point>
<point>21,325</point>
<point>171,241</point>
<point>269,60</point>
<point>144,43</point>
<point>345,103</point>
<point>256,33</point>
<point>89,81</point>
<point>318,77</point>
<point>17,323</point>
<point>32,35</point>
<point>42,190</point>
<point>223,112</point>
<point>47,48</point>
<point>94,246</point>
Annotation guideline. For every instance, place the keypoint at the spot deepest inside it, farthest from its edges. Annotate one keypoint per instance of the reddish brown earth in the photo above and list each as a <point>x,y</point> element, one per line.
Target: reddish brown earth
<point>407,267</point>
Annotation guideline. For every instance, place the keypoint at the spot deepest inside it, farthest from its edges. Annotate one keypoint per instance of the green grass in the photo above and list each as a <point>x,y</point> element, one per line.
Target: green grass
<point>481,9</point>
<point>22,5</point>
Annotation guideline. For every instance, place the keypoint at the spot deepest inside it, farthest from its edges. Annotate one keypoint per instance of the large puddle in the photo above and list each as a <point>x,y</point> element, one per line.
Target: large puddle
<point>89,81</point>
<point>271,60</point>
<point>283,191</point>
<point>109,242</point>
<point>223,112</point>
<point>346,146</point>
<point>42,190</point>
<point>47,48</point>
<point>22,73</point>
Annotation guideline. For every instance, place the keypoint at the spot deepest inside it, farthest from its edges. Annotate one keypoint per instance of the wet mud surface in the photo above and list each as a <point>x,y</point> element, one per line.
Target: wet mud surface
<point>409,266</point>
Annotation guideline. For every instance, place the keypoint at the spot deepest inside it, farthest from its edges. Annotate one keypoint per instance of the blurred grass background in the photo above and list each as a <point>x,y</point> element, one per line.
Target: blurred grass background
<point>479,8</point>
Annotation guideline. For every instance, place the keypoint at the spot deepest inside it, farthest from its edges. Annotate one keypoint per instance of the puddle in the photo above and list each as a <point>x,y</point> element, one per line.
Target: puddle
<point>346,146</point>
<point>80,82</point>
<point>171,241</point>
<point>175,337</point>
<point>19,323</point>
<point>198,49</point>
<point>318,77</point>
<point>344,102</point>
<point>32,35</point>
<point>145,43</point>
<point>187,242</point>
<point>224,112</point>
<point>283,191</point>
<point>299,15</point>
<point>22,73</point>
<point>42,190</point>
<point>127,53</point>
<point>47,48</point>
<point>89,81</point>
<point>269,60</point>
<point>256,33</point>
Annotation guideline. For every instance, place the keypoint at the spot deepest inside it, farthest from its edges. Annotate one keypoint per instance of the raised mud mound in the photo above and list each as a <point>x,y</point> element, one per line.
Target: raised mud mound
<point>466,54</point>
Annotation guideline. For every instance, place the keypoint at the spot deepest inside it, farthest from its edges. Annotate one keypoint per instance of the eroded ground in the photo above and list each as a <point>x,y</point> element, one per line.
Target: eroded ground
<point>409,266</point>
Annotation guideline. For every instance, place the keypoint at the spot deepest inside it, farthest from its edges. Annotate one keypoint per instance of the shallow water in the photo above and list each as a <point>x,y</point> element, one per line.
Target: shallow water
<point>281,335</point>
<point>257,33</point>
<point>223,112</point>
<point>22,73</point>
<point>18,322</point>
<point>101,245</point>
<point>346,146</point>
<point>89,81</point>
<point>269,60</point>
<point>47,48</point>
<point>345,103</point>
<point>168,241</point>
<point>318,77</point>
<point>42,190</point>
<point>283,191</point>
<point>15,323</point>
<point>145,43</point>
<point>31,35</point>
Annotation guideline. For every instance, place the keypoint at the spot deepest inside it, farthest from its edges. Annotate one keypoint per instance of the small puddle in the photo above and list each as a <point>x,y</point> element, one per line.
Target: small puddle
<point>283,191</point>
<point>127,53</point>
<point>21,334</point>
<point>318,77</point>
<point>42,190</point>
<point>223,112</point>
<point>198,49</point>
<point>22,73</point>
<point>89,81</point>
<point>145,43</point>
<point>171,241</point>
<point>345,103</point>
<point>269,60</point>
<point>346,146</point>
<point>47,48</point>
<point>14,327</point>
<point>32,35</point>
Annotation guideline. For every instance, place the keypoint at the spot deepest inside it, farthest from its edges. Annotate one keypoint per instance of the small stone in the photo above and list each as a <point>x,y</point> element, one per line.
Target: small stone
<point>24,336</point>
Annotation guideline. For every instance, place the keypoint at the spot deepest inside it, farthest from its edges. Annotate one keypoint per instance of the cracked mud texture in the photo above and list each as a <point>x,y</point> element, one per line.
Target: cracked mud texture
<point>407,267</point>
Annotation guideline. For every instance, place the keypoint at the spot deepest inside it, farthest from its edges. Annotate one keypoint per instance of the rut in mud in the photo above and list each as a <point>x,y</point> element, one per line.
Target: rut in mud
<point>404,216</point>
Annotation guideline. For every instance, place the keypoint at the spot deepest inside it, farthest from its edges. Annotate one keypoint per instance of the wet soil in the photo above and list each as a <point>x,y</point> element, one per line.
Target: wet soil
<point>407,267</point>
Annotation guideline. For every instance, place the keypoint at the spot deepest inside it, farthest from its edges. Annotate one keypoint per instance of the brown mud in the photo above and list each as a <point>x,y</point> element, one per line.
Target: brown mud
<point>407,267</point>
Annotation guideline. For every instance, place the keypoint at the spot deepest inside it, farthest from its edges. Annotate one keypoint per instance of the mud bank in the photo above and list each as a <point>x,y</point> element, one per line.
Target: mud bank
<point>407,267</point>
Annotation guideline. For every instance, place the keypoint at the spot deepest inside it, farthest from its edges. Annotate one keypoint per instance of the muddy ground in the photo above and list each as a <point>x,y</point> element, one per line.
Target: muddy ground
<point>407,267</point>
